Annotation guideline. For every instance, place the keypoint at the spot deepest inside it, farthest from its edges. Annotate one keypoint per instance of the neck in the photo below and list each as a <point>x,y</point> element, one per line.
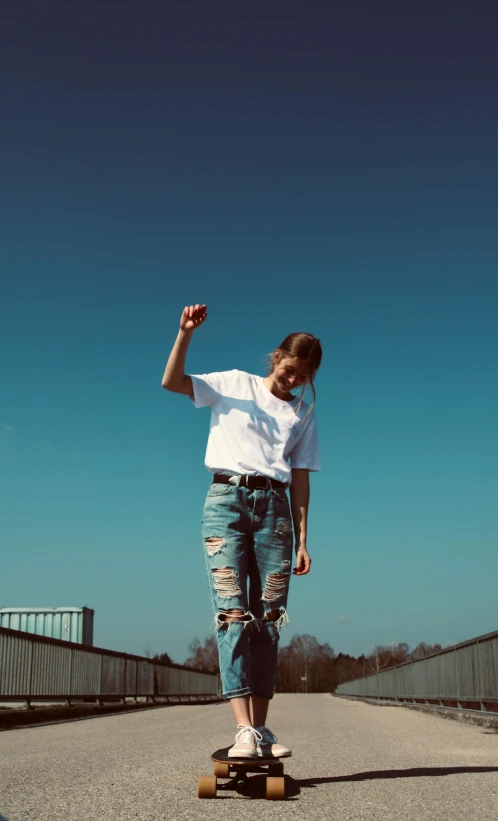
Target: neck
<point>272,386</point>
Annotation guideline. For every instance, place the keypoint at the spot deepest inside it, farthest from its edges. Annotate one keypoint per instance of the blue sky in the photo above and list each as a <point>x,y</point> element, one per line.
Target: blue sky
<point>332,171</point>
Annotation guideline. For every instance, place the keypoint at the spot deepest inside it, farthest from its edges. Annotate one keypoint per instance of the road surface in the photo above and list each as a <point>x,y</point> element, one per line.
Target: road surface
<point>351,761</point>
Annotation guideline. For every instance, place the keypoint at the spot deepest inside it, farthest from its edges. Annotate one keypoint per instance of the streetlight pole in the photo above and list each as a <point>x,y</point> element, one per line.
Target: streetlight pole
<point>305,657</point>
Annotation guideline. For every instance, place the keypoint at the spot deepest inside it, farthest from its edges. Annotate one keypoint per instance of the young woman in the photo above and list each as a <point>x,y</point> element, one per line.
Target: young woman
<point>262,442</point>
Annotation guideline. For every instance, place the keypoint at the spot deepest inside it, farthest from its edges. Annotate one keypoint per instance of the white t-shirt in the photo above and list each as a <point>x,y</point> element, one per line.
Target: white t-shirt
<point>252,431</point>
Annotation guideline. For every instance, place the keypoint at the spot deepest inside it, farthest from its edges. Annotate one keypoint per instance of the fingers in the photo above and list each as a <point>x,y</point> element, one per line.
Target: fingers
<point>195,310</point>
<point>199,314</point>
<point>303,564</point>
<point>193,315</point>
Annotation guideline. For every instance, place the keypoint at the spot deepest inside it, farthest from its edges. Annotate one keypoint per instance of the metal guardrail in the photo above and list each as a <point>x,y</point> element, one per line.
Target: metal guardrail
<point>36,668</point>
<point>464,676</point>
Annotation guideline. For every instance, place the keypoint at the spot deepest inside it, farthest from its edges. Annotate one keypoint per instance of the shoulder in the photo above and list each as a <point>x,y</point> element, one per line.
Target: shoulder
<point>233,376</point>
<point>219,377</point>
<point>242,378</point>
<point>302,409</point>
<point>227,381</point>
<point>307,418</point>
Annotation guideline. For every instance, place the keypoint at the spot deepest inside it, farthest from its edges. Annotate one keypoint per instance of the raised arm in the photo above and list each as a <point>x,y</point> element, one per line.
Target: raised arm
<point>174,378</point>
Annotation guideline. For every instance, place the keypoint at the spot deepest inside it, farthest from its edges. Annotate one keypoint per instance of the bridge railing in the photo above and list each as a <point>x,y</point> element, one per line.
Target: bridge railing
<point>36,668</point>
<point>462,676</point>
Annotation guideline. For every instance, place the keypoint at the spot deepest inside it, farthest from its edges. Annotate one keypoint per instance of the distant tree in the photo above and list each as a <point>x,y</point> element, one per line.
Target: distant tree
<point>203,656</point>
<point>305,666</point>
<point>163,658</point>
<point>422,650</point>
<point>382,658</point>
<point>347,668</point>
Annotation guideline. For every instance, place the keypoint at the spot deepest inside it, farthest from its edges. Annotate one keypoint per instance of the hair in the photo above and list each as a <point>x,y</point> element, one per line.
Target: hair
<point>303,346</point>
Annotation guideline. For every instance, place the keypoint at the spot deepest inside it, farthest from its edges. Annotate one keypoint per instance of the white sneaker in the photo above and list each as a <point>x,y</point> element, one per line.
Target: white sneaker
<point>245,742</point>
<point>268,747</point>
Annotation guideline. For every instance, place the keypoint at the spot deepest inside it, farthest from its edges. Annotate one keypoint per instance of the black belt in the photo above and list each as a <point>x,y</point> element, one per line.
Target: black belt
<point>251,482</point>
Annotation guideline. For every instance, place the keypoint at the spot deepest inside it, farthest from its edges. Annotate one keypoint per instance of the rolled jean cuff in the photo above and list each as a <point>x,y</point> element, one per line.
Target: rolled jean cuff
<point>244,691</point>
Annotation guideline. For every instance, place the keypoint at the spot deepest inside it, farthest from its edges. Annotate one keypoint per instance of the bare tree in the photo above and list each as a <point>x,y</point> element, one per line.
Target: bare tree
<point>164,658</point>
<point>422,650</point>
<point>203,657</point>
<point>384,657</point>
<point>305,666</point>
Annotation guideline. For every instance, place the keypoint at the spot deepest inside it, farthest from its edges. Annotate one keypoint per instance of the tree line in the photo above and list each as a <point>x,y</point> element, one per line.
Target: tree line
<point>305,665</point>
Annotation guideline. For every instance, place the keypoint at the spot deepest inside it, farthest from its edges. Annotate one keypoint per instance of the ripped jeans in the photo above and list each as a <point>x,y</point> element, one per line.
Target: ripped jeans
<point>248,539</point>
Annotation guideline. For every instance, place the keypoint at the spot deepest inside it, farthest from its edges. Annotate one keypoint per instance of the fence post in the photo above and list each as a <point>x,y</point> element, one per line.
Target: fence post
<point>457,680</point>
<point>31,665</point>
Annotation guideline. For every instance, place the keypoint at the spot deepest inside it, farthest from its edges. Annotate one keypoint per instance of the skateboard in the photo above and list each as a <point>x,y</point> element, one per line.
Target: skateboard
<point>273,768</point>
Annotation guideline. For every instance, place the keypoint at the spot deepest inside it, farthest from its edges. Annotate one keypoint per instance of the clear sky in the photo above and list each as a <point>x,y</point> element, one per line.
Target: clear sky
<point>330,168</point>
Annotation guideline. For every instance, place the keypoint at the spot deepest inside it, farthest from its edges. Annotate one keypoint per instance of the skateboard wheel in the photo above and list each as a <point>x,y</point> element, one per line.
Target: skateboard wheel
<point>275,788</point>
<point>221,770</point>
<point>276,769</point>
<point>206,786</point>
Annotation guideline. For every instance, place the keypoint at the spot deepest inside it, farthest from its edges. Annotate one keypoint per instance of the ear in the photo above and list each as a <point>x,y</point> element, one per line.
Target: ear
<point>277,356</point>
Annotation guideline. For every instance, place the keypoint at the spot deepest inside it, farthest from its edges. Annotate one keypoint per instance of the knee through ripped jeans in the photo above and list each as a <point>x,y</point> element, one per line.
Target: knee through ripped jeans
<point>248,540</point>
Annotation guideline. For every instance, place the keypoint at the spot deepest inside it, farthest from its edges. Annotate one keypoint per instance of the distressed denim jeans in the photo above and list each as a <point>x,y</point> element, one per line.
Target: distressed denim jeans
<point>247,537</point>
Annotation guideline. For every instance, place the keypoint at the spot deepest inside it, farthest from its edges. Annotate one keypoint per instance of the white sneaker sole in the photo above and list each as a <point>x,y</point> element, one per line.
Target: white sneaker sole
<point>271,754</point>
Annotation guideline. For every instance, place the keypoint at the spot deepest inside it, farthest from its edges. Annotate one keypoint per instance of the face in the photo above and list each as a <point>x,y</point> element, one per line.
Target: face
<point>289,372</point>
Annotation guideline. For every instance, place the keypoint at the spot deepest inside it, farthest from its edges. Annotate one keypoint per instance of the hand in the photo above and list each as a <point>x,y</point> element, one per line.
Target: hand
<point>303,562</point>
<point>192,317</point>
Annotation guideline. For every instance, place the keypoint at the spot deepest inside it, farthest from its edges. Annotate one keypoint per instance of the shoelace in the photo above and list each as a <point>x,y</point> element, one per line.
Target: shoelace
<point>254,735</point>
<point>268,736</point>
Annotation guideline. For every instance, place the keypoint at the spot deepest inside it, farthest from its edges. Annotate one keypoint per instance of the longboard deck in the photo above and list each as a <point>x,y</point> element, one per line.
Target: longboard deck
<point>222,757</point>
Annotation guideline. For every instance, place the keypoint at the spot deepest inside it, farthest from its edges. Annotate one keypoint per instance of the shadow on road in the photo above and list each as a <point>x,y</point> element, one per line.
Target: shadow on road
<point>415,772</point>
<point>255,786</point>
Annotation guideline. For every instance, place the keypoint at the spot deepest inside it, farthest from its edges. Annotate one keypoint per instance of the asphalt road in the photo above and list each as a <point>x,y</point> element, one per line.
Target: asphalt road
<point>351,761</point>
